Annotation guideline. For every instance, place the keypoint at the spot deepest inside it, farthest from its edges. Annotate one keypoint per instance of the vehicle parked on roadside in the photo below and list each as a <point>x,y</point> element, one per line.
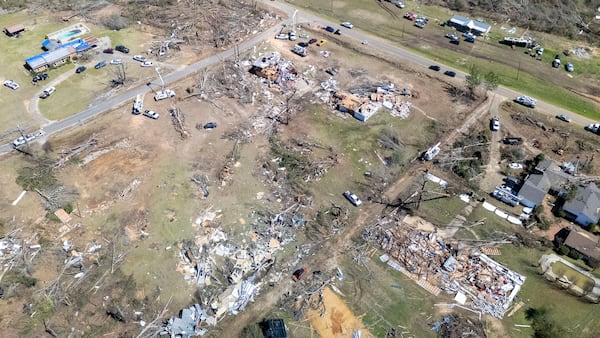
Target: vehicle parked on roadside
<point>122,49</point>
<point>210,125</point>
<point>526,101</point>
<point>495,123</point>
<point>350,196</point>
<point>151,114</point>
<point>347,25</point>
<point>80,69</point>
<point>311,41</point>
<point>11,84</point>
<point>321,42</point>
<point>435,68</point>
<point>330,29</point>
<point>47,92</point>
<point>146,64</point>
<point>100,64</point>
<point>563,117</point>
<point>450,73</point>
<point>304,36</point>
<point>569,67</point>
<point>108,51</point>
<point>139,58</point>
<point>515,166</point>
<point>116,61</point>
<point>164,94</point>
<point>282,36</point>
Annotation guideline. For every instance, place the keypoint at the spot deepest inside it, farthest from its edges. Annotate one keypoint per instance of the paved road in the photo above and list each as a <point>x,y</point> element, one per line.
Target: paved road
<point>356,34</point>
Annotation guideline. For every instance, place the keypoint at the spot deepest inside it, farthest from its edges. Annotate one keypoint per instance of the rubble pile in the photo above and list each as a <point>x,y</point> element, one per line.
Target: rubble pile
<point>365,101</point>
<point>279,72</point>
<point>465,273</point>
<point>12,250</point>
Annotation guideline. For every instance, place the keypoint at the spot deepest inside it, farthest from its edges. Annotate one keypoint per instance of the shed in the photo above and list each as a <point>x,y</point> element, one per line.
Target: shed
<point>14,29</point>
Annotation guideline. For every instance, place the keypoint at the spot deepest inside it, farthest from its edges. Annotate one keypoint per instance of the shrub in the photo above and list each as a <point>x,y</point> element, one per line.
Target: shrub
<point>575,254</point>
<point>563,250</point>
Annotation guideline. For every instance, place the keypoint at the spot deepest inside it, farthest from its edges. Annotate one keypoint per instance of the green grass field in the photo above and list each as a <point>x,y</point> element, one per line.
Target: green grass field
<point>74,94</point>
<point>578,317</point>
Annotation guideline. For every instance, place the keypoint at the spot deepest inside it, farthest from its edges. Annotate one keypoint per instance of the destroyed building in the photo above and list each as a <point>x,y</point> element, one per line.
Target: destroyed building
<point>277,70</point>
<point>437,266</point>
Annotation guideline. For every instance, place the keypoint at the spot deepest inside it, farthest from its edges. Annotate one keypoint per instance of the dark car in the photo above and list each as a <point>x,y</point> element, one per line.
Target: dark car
<point>450,73</point>
<point>435,67</point>
<point>100,64</point>
<point>108,51</point>
<point>311,41</point>
<point>338,32</point>
<point>40,77</point>
<point>80,69</point>
<point>563,117</point>
<point>210,125</point>
<point>303,44</point>
<point>122,49</point>
<point>330,29</point>
<point>455,41</point>
<point>297,275</point>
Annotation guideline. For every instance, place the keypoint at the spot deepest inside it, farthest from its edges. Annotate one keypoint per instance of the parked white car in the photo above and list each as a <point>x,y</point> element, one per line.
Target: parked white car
<point>139,58</point>
<point>116,61</point>
<point>350,196</point>
<point>495,124</point>
<point>151,114</point>
<point>146,64</point>
<point>347,25</point>
<point>11,84</point>
<point>47,92</point>
<point>515,166</point>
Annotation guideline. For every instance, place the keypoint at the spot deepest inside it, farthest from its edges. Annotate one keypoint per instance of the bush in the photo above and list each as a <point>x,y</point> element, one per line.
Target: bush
<point>563,250</point>
<point>115,22</point>
<point>575,254</point>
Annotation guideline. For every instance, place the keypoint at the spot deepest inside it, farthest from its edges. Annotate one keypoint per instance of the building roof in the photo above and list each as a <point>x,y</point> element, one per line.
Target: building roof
<point>16,28</point>
<point>534,189</point>
<point>547,175</point>
<point>585,202</point>
<point>584,242</point>
<point>46,58</point>
<point>471,24</point>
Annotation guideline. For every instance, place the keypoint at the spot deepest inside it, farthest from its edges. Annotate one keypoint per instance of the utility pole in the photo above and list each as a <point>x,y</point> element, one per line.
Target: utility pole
<point>518,70</point>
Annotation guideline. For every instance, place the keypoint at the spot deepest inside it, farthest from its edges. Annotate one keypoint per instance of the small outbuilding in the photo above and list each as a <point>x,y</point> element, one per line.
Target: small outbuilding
<point>14,30</point>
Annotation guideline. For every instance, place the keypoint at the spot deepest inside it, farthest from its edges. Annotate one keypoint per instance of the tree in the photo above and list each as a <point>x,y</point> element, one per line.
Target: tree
<point>543,327</point>
<point>473,80</point>
<point>119,76</point>
<point>491,81</point>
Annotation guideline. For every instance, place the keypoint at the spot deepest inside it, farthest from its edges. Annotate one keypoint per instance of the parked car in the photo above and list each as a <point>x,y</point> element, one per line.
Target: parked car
<point>365,42</point>
<point>47,92</point>
<point>470,39</point>
<point>164,94</point>
<point>40,77</point>
<point>410,16</point>
<point>495,123</point>
<point>347,25</point>
<point>311,41</point>
<point>116,61</point>
<point>350,196</point>
<point>304,36</point>
<point>400,4</point>
<point>100,64</point>
<point>210,125</point>
<point>515,166</point>
<point>569,67</point>
<point>330,29</point>
<point>122,49</point>
<point>151,114</point>
<point>322,42</point>
<point>139,58</point>
<point>298,274</point>
<point>80,69</point>
<point>338,32</point>
<point>435,68</point>
<point>526,101</point>
<point>19,142</point>
<point>292,36</point>
<point>540,51</point>
<point>146,64</point>
<point>282,36</point>
<point>108,51</point>
<point>303,44</point>
<point>450,73</point>
<point>11,84</point>
<point>563,117</point>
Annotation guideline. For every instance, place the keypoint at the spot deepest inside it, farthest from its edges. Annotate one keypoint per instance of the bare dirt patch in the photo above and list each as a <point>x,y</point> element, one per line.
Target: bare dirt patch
<point>339,320</point>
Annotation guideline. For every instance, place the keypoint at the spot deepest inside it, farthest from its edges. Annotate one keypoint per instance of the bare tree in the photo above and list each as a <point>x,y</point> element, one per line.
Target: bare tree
<point>119,75</point>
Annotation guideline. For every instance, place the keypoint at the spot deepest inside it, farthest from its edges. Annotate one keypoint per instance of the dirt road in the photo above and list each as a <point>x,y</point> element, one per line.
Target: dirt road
<point>492,176</point>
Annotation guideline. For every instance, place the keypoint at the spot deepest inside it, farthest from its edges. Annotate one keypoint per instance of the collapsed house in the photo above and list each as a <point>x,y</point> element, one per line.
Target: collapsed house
<point>437,266</point>
<point>277,70</point>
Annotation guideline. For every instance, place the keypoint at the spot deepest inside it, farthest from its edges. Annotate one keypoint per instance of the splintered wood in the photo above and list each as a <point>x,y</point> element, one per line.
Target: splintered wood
<point>178,120</point>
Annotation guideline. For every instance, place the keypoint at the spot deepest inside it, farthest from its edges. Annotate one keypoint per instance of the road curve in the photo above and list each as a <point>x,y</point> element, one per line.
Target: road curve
<point>379,44</point>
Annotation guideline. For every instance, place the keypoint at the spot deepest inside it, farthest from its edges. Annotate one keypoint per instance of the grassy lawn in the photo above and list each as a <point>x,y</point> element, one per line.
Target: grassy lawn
<point>560,269</point>
<point>578,317</point>
<point>490,224</point>
<point>74,94</point>
<point>441,211</point>
<point>522,76</point>
<point>387,299</point>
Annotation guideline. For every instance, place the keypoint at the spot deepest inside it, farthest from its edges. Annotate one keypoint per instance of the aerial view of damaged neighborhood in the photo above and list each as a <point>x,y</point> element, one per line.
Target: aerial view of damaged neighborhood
<point>300,168</point>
